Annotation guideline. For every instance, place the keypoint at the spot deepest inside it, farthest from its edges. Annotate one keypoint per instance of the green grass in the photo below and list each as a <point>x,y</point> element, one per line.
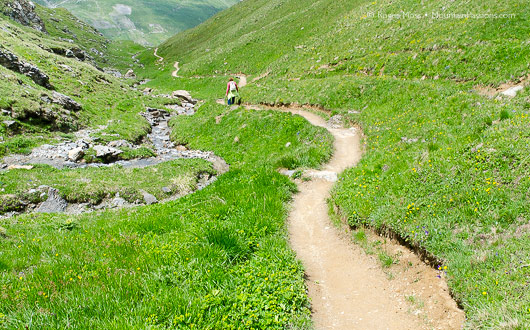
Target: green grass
<point>445,168</point>
<point>216,259</point>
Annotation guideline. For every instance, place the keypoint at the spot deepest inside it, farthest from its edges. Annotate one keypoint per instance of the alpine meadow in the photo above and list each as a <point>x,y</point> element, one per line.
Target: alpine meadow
<point>373,173</point>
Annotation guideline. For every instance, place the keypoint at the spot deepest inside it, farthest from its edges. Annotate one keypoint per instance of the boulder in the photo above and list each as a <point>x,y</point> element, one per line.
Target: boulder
<point>118,201</point>
<point>512,92</point>
<point>106,152</point>
<point>65,101</point>
<point>148,198</point>
<point>76,154</point>
<point>130,74</point>
<point>54,204</point>
<point>184,95</point>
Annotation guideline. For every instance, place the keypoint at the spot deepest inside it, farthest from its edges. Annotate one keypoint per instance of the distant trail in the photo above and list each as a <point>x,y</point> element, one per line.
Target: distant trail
<point>177,69</point>
<point>160,58</point>
<point>348,288</point>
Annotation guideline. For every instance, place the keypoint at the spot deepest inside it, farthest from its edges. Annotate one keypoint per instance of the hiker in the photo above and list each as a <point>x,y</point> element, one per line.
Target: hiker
<point>231,91</point>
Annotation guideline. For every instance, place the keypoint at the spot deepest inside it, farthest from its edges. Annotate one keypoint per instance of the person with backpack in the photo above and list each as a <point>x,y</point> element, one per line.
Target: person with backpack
<point>232,90</point>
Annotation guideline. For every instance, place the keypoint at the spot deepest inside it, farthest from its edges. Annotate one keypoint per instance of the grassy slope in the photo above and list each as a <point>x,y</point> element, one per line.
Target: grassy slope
<point>461,189</point>
<point>172,16</point>
<point>217,259</point>
<point>103,97</point>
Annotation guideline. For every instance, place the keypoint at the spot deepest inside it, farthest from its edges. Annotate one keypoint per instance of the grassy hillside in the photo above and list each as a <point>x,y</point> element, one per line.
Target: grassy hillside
<point>146,22</point>
<point>446,166</point>
<point>216,259</point>
<point>104,99</point>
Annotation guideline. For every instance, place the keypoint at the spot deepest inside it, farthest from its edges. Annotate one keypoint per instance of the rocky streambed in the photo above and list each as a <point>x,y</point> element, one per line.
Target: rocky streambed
<point>69,155</point>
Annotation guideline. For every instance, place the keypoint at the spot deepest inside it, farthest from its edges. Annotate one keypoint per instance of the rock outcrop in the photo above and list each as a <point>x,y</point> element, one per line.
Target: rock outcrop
<point>74,52</point>
<point>184,95</point>
<point>11,61</point>
<point>23,12</point>
<point>65,101</point>
<point>54,204</point>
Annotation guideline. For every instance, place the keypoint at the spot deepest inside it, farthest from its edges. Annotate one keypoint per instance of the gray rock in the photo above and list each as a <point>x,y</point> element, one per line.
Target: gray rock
<point>113,72</point>
<point>106,152</point>
<point>23,12</point>
<point>166,190</point>
<point>148,198</point>
<point>236,139</point>
<point>288,173</point>
<point>130,74</point>
<point>11,125</point>
<point>288,144</point>
<point>120,144</point>
<point>11,61</point>
<point>184,95</point>
<point>324,175</point>
<point>118,201</point>
<point>335,121</point>
<point>54,204</point>
<point>65,101</point>
<point>512,92</point>
<point>76,154</point>
<point>83,144</point>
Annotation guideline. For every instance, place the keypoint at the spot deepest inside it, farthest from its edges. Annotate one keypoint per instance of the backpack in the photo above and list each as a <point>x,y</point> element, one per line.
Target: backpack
<point>232,85</point>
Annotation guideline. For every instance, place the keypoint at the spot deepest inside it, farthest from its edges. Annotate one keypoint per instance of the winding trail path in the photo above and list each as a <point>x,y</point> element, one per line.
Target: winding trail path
<point>177,69</point>
<point>155,53</point>
<point>348,288</point>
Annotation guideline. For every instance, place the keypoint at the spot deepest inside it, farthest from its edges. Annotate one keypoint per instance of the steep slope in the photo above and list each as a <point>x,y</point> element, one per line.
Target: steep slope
<point>432,84</point>
<point>146,22</point>
<point>215,259</point>
<point>51,84</point>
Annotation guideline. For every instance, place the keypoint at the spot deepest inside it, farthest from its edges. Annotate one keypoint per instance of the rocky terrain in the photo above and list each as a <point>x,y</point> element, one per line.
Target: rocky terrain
<point>71,154</point>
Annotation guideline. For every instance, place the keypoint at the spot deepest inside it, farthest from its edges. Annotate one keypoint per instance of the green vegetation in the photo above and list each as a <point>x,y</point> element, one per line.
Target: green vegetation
<point>446,167</point>
<point>142,21</point>
<point>217,259</point>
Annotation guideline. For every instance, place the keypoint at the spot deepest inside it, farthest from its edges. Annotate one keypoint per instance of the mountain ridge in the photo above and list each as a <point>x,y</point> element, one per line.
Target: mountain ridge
<point>146,22</point>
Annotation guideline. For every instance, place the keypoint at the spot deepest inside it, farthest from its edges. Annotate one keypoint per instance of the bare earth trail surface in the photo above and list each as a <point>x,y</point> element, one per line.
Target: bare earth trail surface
<point>160,58</point>
<point>177,69</point>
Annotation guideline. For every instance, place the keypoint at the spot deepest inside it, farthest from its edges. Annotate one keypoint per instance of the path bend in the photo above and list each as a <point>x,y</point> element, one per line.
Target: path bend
<point>348,288</point>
